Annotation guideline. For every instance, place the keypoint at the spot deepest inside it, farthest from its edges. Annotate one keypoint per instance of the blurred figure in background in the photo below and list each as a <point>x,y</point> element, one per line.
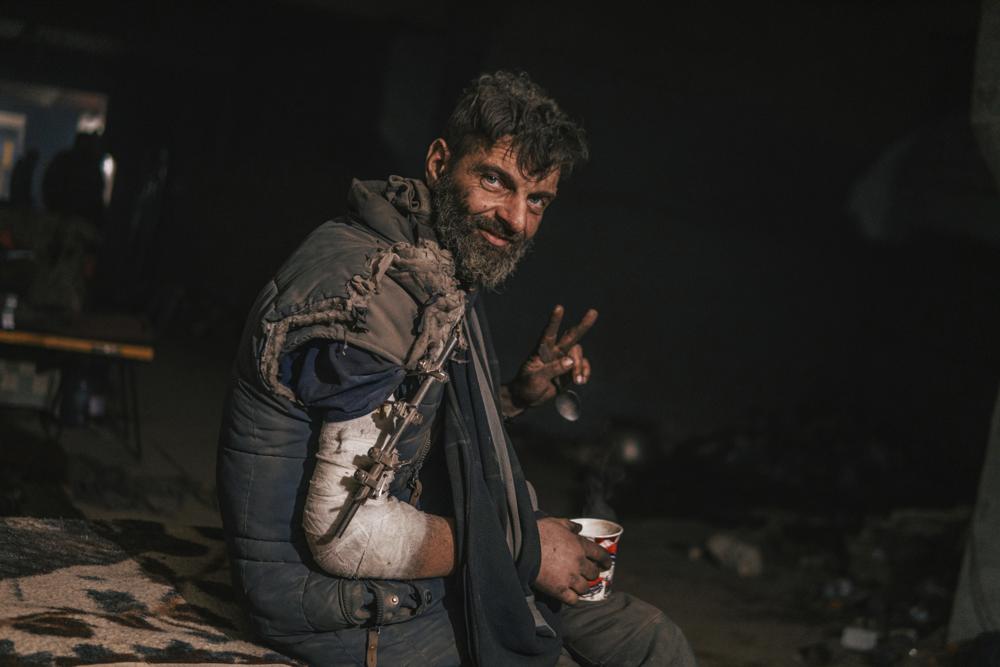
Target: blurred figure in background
<point>73,184</point>
<point>22,179</point>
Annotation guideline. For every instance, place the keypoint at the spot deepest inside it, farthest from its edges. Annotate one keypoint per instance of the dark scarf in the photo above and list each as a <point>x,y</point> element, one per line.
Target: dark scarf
<point>501,626</point>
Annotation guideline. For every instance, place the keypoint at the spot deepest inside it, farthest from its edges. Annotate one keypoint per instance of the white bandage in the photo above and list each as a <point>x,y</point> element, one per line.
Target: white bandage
<point>385,534</point>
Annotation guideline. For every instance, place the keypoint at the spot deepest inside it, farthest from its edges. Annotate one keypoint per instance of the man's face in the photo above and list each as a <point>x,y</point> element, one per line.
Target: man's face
<point>487,211</point>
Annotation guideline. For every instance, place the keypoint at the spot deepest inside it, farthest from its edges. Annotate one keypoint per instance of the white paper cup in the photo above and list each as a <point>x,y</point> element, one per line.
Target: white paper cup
<point>606,534</point>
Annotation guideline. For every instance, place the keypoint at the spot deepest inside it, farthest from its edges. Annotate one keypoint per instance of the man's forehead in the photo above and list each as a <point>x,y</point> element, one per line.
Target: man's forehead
<point>504,155</point>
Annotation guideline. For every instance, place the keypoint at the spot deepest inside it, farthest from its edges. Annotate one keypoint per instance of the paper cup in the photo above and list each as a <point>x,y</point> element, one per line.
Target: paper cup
<point>606,534</point>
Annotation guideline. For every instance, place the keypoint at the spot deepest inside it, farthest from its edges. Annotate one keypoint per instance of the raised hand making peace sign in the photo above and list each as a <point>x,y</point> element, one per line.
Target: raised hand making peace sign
<point>555,356</point>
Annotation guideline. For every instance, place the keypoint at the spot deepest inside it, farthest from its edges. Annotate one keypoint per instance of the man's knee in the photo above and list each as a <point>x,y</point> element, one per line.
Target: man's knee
<point>624,631</point>
<point>661,642</point>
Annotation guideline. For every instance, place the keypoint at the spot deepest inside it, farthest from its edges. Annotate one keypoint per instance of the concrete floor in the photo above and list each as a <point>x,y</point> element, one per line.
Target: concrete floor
<point>730,622</point>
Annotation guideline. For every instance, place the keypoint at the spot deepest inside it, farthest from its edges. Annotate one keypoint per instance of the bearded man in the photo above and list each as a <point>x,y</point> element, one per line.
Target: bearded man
<point>451,563</point>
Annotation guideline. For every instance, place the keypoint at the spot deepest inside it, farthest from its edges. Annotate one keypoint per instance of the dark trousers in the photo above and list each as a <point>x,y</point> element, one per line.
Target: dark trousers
<point>622,631</point>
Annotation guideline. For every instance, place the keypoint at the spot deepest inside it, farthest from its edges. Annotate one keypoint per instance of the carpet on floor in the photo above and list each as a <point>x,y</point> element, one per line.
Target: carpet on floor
<point>77,592</point>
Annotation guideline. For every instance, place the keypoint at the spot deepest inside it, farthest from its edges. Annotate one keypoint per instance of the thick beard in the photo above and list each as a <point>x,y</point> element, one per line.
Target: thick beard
<point>477,261</point>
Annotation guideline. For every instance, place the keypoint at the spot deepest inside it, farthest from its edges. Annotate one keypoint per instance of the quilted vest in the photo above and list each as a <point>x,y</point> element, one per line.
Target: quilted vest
<point>362,280</point>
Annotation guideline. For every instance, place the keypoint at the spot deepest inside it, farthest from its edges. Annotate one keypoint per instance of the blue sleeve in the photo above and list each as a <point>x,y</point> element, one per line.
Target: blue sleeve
<point>340,381</point>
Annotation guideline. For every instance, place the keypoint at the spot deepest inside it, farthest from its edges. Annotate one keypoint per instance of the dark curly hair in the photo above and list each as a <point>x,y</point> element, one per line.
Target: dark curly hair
<point>511,104</point>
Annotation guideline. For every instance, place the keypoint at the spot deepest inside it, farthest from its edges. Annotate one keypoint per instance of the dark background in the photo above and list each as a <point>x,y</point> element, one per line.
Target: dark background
<point>740,290</point>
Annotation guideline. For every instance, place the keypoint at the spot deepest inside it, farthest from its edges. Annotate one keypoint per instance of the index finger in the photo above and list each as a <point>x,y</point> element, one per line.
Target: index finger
<point>574,334</point>
<point>547,343</point>
<point>552,328</point>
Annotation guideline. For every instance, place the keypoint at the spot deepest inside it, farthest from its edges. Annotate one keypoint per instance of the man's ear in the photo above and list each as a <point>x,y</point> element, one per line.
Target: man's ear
<point>438,156</point>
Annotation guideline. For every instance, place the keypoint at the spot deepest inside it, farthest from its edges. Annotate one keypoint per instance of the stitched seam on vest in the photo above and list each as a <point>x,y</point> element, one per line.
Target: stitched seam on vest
<point>277,540</point>
<point>253,417</point>
<point>230,448</point>
<point>246,498</point>
<point>302,603</point>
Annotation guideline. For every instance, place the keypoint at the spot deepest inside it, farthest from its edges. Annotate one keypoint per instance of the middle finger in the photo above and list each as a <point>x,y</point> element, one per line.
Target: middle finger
<point>597,554</point>
<point>573,335</point>
<point>552,328</point>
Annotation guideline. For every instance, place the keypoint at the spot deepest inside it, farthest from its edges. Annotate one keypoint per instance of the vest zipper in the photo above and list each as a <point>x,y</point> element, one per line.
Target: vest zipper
<point>418,460</point>
<point>416,488</point>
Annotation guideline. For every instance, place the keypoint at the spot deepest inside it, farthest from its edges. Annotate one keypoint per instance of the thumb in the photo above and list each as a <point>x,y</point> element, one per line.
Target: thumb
<point>555,368</point>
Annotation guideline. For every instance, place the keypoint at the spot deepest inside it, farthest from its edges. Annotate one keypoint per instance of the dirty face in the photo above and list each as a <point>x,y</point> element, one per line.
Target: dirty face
<point>487,211</point>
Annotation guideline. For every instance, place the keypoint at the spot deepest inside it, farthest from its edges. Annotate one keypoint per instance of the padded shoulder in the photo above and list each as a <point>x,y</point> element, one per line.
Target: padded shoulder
<point>345,284</point>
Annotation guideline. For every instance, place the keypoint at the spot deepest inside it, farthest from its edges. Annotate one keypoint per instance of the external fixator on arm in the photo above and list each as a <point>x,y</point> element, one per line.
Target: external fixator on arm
<point>374,481</point>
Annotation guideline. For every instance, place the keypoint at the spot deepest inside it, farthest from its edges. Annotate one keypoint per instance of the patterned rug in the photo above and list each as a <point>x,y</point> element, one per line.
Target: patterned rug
<point>76,592</point>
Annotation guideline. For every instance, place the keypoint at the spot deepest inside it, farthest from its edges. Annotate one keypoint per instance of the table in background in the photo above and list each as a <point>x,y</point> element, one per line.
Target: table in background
<point>122,340</point>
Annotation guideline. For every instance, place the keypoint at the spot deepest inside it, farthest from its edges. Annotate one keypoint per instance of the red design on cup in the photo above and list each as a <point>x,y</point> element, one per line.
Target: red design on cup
<point>606,534</point>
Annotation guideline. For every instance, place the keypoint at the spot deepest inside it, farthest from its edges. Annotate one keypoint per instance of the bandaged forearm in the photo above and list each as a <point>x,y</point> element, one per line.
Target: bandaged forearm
<point>386,537</point>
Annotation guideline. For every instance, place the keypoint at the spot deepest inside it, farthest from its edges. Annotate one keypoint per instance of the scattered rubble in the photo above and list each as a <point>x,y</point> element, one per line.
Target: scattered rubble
<point>734,554</point>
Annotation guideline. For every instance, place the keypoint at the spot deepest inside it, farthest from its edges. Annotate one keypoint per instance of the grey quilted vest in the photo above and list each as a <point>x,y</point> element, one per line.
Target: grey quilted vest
<point>376,280</point>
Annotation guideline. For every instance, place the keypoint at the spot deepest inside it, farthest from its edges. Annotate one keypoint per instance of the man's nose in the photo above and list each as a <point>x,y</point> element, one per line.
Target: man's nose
<point>514,215</point>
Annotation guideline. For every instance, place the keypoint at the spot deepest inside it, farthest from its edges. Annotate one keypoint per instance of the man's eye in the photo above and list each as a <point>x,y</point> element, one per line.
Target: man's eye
<point>491,179</point>
<point>537,202</point>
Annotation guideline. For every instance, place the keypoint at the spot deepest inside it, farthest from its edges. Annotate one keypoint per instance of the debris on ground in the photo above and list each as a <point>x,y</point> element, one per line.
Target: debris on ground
<point>734,554</point>
<point>858,639</point>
